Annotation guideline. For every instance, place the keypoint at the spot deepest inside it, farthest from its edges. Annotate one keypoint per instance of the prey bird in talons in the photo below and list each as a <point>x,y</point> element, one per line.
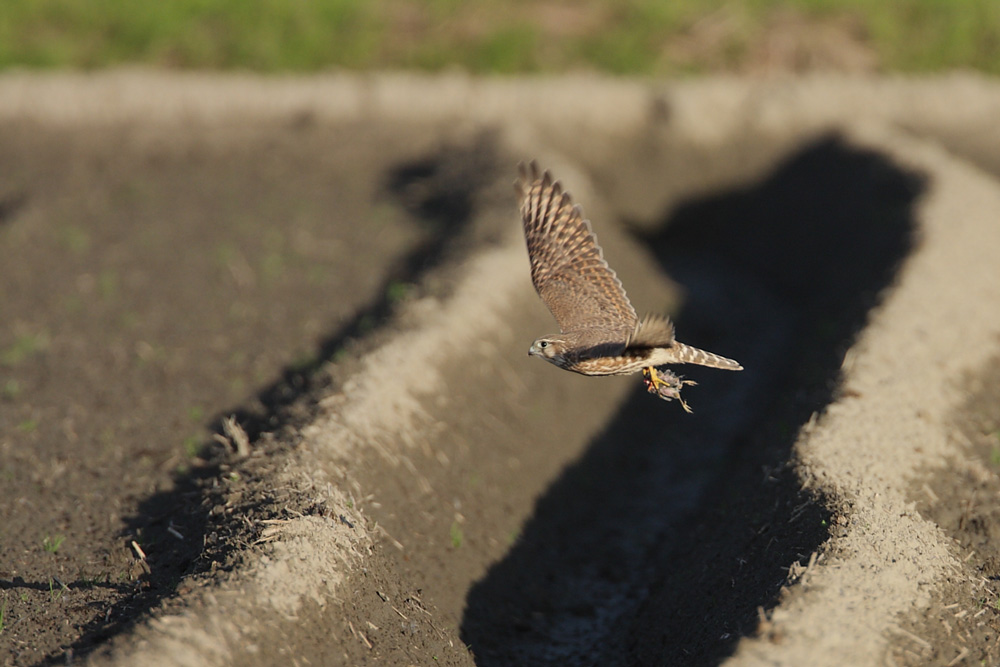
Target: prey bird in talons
<point>600,333</point>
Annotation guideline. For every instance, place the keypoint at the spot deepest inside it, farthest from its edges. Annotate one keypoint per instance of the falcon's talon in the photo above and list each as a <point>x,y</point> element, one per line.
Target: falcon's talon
<point>666,385</point>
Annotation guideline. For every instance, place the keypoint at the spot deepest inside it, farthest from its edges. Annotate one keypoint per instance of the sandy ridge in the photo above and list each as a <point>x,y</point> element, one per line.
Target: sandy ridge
<point>378,407</point>
<point>706,109</point>
<point>901,384</point>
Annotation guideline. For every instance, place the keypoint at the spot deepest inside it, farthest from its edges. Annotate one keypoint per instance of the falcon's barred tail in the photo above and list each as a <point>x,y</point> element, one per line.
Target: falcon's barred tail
<point>691,355</point>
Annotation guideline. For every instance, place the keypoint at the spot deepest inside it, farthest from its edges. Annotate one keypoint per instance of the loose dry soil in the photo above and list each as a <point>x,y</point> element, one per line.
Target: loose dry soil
<point>335,262</point>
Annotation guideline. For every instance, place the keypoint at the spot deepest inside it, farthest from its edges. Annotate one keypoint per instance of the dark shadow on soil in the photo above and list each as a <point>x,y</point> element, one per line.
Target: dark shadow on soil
<point>216,506</point>
<point>10,205</point>
<point>660,545</point>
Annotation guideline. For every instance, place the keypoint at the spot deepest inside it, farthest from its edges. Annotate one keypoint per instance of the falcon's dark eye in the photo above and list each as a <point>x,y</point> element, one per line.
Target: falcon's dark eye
<point>543,343</point>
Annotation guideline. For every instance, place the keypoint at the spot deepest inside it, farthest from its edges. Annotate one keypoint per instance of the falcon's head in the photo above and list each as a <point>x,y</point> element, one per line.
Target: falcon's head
<point>550,348</point>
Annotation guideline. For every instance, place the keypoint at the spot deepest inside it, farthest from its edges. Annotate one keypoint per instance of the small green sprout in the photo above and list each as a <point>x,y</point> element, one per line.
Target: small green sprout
<point>456,535</point>
<point>52,544</point>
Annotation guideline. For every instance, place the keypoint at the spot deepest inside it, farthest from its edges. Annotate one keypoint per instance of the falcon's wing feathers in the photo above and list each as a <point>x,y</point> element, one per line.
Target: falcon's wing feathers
<point>653,331</point>
<point>567,265</point>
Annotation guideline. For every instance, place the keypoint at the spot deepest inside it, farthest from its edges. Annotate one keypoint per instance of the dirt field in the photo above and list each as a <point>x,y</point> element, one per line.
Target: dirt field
<point>336,262</point>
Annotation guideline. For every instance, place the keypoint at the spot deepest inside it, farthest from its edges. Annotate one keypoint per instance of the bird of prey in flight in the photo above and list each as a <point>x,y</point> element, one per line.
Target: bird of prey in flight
<point>600,333</point>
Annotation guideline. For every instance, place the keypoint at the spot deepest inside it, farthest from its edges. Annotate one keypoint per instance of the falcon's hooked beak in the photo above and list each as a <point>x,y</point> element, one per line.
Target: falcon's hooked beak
<point>547,349</point>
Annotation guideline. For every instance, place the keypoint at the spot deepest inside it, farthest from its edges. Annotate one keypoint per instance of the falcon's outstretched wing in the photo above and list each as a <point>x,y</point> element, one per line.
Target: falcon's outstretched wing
<point>567,265</point>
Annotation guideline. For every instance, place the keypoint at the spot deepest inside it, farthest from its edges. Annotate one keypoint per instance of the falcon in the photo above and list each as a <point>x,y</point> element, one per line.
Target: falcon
<point>600,333</point>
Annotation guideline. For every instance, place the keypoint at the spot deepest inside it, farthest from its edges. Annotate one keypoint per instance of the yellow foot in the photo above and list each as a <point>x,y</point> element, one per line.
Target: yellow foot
<point>666,385</point>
